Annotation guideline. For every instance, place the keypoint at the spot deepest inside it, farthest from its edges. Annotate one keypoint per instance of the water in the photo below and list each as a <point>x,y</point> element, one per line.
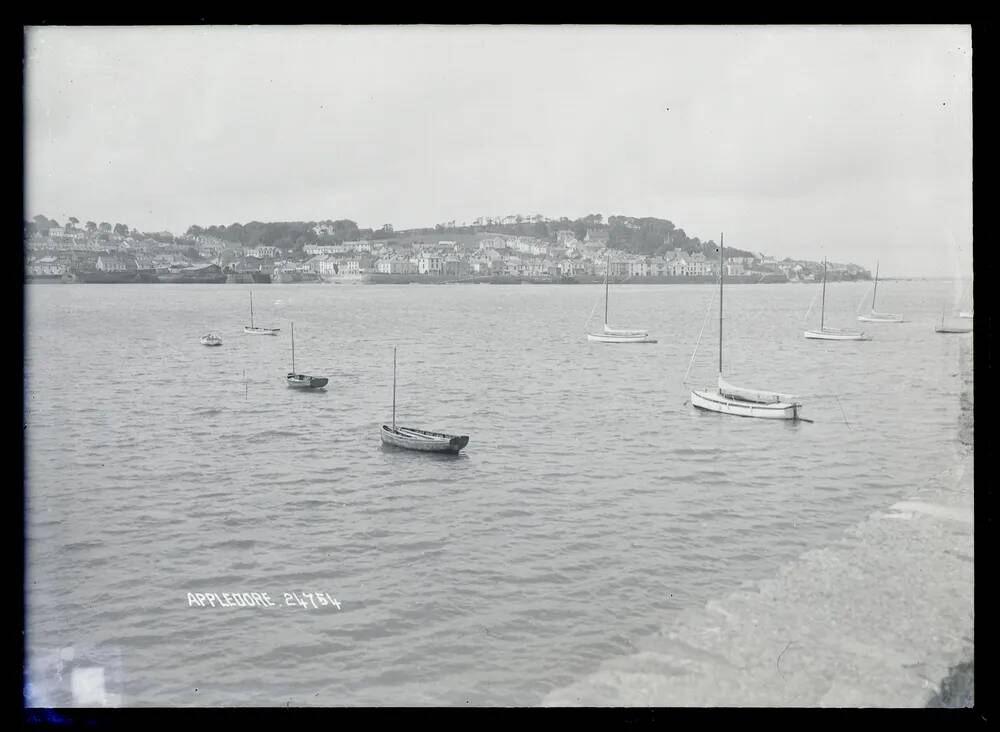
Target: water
<point>591,506</point>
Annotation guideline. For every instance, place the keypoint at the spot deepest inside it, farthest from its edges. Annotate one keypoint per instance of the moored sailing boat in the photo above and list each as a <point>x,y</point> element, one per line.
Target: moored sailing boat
<point>875,316</point>
<point>739,401</point>
<point>951,328</point>
<point>617,335</point>
<point>410,438</point>
<point>833,334</point>
<point>303,381</point>
<point>252,330</point>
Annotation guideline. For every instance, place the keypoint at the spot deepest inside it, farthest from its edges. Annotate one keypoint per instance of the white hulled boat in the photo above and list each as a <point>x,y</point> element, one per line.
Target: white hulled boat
<point>253,330</point>
<point>833,334</point>
<point>874,316</point>
<point>617,335</point>
<point>740,401</point>
<point>211,339</point>
<point>951,328</point>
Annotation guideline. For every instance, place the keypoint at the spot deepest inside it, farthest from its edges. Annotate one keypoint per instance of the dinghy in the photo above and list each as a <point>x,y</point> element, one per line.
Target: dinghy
<point>874,316</point>
<point>211,339</point>
<point>833,334</point>
<point>303,381</point>
<point>410,438</point>
<point>616,335</point>
<point>740,401</point>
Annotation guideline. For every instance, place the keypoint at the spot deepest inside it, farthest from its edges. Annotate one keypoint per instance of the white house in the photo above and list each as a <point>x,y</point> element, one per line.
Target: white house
<point>429,263</point>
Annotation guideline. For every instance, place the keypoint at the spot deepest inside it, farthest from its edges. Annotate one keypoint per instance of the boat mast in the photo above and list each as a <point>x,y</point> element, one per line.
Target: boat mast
<point>394,387</point>
<point>293,347</point>
<point>251,308</point>
<point>822,311</point>
<point>722,239</point>
<point>875,291</point>
<point>607,277</point>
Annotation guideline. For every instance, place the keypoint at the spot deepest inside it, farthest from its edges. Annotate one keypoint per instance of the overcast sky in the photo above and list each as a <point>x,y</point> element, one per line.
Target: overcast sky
<point>849,142</point>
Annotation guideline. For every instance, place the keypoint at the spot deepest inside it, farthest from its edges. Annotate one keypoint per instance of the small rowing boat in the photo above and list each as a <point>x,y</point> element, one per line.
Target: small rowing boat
<point>211,339</point>
<point>410,438</point>
<point>303,381</point>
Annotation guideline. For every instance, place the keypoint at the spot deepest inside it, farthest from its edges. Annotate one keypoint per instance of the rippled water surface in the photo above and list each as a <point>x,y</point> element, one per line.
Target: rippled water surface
<point>591,506</point>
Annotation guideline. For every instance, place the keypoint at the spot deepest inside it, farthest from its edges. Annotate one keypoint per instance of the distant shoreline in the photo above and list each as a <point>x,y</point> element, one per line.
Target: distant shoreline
<point>379,279</point>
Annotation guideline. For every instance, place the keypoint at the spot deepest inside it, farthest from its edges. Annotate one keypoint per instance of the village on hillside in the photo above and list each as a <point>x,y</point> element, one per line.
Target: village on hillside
<point>106,253</point>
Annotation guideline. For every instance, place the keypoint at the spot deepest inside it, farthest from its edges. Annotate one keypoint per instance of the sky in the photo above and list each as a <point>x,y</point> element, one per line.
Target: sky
<point>849,142</point>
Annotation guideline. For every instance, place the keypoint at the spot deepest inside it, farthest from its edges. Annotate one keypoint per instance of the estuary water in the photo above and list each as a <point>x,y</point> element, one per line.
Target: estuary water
<point>592,506</point>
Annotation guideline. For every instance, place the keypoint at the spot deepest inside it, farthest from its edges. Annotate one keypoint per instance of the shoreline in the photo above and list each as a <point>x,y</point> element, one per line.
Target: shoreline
<point>881,618</point>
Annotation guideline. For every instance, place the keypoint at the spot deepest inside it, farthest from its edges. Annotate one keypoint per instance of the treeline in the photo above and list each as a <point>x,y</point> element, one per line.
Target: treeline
<point>646,236</point>
<point>289,234</point>
<point>652,236</point>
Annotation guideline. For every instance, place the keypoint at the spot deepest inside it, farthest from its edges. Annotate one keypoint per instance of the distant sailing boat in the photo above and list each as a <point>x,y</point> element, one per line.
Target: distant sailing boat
<point>303,381</point>
<point>409,438</point>
<point>617,335</point>
<point>951,328</point>
<point>258,331</point>
<point>728,399</point>
<point>875,316</point>
<point>833,334</point>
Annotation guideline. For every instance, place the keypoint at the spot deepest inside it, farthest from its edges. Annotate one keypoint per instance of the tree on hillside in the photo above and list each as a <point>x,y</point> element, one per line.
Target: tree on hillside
<point>73,221</point>
<point>105,226</point>
<point>121,229</point>
<point>91,226</point>
<point>42,223</point>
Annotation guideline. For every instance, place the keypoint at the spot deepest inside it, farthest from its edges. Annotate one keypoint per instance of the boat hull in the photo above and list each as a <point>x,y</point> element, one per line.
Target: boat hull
<point>837,335</point>
<point>964,314</point>
<point>211,343</point>
<point>613,338</point>
<point>422,440</point>
<point>951,329</point>
<point>713,401</point>
<point>303,381</point>
<point>260,331</point>
<point>880,318</point>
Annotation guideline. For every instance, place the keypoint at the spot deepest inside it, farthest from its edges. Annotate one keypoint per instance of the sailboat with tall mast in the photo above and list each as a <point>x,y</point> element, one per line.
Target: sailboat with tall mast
<point>616,335</point>
<point>833,334</point>
<point>874,316</point>
<point>738,401</point>
<point>410,438</point>
<point>254,330</point>
<point>303,381</point>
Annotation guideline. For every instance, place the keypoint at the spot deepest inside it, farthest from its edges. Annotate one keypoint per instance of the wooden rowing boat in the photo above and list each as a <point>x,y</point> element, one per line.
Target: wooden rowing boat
<point>414,439</point>
<point>410,438</point>
<point>303,381</point>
